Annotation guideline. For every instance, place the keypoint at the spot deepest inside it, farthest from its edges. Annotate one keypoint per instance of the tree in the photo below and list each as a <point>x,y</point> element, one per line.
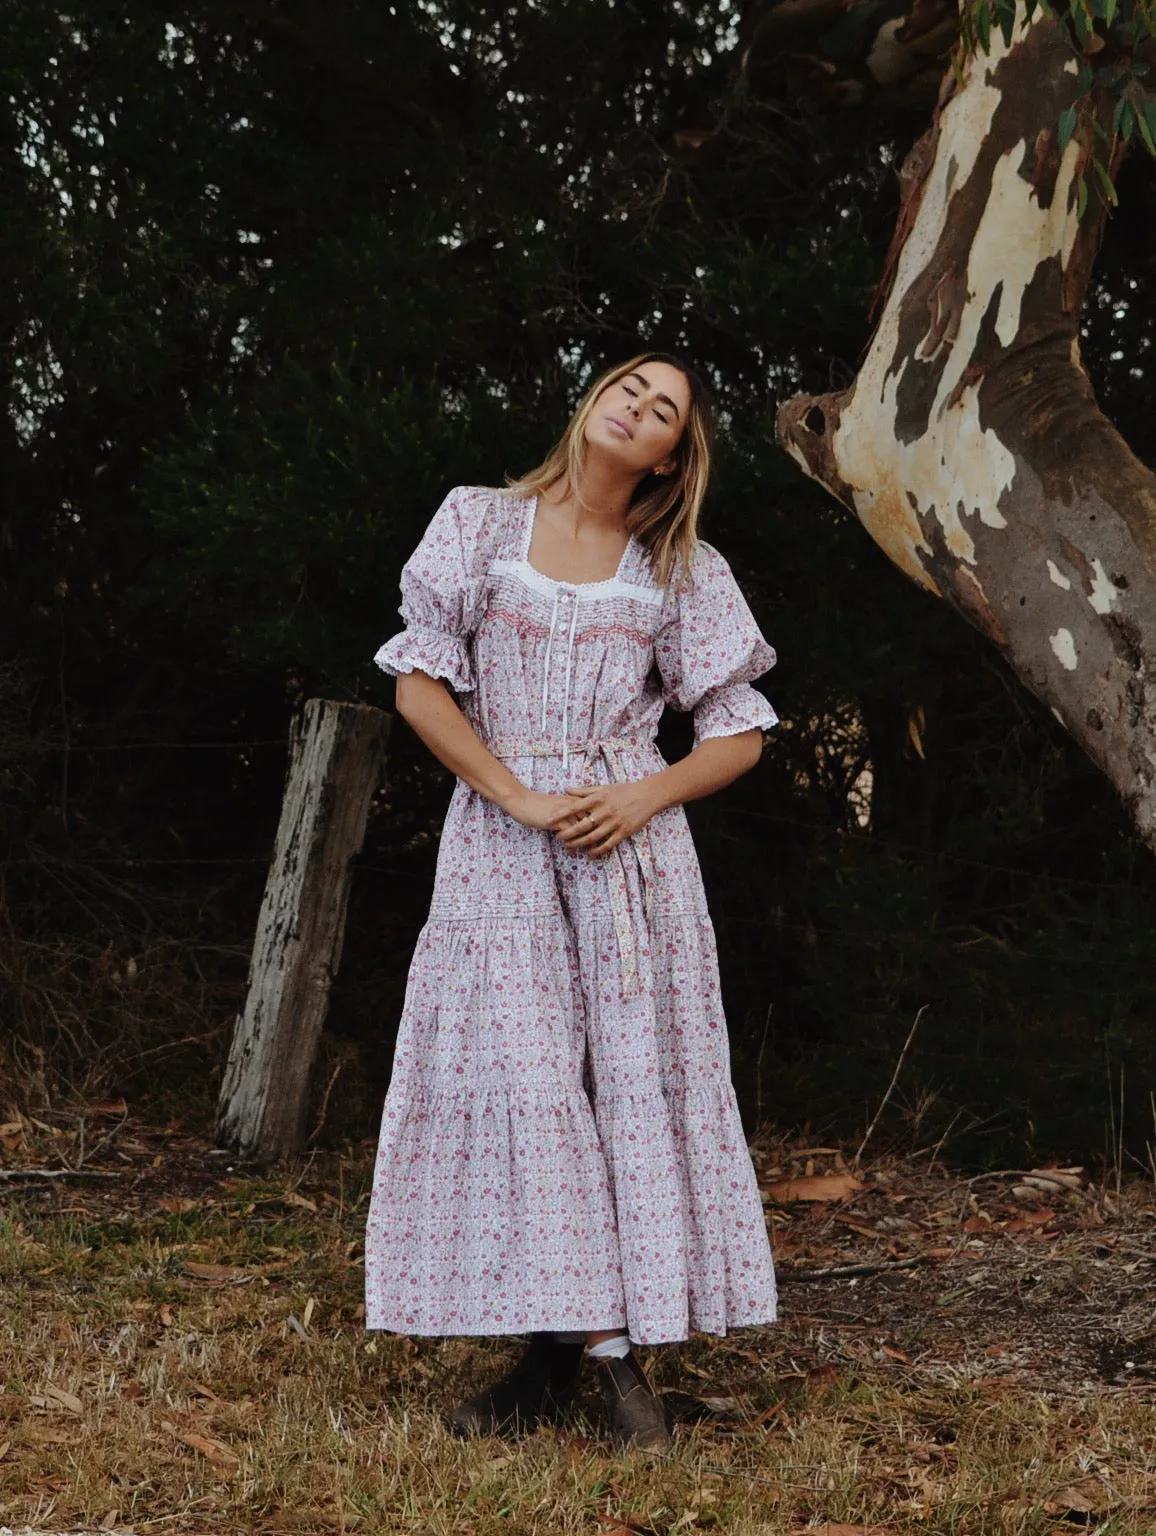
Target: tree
<point>970,444</point>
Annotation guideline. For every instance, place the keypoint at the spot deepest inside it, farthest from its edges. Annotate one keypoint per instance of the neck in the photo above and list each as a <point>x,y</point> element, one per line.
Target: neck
<point>602,494</point>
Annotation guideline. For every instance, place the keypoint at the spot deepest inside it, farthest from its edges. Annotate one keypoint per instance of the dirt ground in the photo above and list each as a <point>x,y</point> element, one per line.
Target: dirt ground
<point>183,1350</point>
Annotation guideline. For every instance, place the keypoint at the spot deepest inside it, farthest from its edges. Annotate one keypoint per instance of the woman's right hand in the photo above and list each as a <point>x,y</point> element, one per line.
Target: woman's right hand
<point>545,812</point>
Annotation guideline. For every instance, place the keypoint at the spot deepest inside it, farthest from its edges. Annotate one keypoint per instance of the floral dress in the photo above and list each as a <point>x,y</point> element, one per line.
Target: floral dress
<point>561,1148</point>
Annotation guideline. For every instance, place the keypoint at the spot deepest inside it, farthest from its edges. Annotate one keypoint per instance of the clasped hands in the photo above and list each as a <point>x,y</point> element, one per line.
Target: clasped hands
<point>590,818</point>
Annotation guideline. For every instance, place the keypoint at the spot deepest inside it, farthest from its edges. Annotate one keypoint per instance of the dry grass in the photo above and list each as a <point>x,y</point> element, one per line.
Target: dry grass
<point>182,1349</point>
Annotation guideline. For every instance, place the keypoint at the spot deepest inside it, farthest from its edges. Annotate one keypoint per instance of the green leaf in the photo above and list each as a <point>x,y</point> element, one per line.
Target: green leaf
<point>1110,11</point>
<point>1148,118</point>
<point>1068,120</point>
<point>1029,9</point>
<point>1081,197</point>
<point>983,25</point>
<point>1006,19</point>
<point>1127,121</point>
<point>1107,188</point>
<point>1146,130</point>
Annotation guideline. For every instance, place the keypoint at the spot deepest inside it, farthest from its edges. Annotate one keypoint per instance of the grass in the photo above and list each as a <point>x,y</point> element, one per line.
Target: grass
<point>182,1349</point>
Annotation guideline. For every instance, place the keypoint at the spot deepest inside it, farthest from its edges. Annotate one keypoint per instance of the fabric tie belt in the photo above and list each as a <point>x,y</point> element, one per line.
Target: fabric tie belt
<point>611,750</point>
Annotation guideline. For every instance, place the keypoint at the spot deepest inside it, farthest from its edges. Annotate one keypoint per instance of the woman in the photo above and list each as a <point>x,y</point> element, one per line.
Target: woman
<point>561,1153</point>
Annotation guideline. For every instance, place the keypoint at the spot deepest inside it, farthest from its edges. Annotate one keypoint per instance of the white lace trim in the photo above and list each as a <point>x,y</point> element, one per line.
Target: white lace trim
<point>584,591</point>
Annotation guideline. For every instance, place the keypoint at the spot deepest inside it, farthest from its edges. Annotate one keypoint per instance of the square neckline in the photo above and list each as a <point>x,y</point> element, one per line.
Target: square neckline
<point>528,539</point>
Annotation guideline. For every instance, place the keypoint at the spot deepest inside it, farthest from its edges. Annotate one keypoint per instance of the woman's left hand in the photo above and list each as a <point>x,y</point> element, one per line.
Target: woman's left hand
<point>604,814</point>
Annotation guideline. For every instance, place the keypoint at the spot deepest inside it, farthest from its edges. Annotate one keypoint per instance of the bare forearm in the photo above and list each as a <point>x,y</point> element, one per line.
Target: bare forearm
<point>429,706</point>
<point>712,765</point>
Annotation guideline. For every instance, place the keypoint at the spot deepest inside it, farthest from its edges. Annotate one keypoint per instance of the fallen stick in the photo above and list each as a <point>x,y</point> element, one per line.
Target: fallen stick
<point>847,1271</point>
<point>56,1173</point>
<point>1047,1179</point>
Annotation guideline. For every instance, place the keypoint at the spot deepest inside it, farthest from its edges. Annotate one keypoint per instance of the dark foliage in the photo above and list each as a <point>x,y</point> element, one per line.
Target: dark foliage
<point>275,277</point>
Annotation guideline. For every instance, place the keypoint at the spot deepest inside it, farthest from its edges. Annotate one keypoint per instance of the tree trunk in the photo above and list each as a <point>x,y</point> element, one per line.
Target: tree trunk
<point>971,446</point>
<point>334,767</point>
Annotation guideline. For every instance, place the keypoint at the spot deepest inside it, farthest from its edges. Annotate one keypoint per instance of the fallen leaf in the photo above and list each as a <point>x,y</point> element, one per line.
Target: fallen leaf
<point>165,1315</point>
<point>896,1354</point>
<point>1029,1219</point>
<point>303,1201</point>
<point>823,1376</point>
<point>48,1436</point>
<point>858,1226</point>
<point>696,1370</point>
<point>577,1451</point>
<point>106,1107</point>
<point>1087,1497</point>
<point>218,1274</point>
<point>620,1525</point>
<point>218,1454</point>
<point>65,1399</point>
<point>849,1530</point>
<point>820,1186</point>
<point>178,1204</point>
<point>5,1447</point>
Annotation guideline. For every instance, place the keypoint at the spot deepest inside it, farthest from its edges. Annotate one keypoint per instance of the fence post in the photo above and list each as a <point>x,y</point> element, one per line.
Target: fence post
<point>335,765</point>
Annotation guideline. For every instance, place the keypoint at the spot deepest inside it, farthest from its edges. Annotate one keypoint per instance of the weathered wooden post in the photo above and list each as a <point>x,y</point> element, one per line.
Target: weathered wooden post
<point>335,764</point>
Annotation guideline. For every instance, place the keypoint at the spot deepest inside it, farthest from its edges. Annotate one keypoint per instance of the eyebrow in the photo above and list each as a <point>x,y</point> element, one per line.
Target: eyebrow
<point>666,400</point>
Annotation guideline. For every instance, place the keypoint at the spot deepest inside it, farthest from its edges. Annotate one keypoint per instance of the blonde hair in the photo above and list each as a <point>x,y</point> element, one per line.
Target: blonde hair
<point>664,512</point>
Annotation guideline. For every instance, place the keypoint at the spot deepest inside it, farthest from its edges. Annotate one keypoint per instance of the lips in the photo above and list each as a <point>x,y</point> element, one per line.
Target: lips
<point>622,424</point>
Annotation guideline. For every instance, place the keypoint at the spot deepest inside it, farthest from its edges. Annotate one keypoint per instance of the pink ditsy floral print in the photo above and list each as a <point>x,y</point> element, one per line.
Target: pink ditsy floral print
<point>560,1146</point>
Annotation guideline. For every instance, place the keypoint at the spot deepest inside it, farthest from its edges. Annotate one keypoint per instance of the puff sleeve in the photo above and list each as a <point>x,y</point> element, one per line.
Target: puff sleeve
<point>440,593</point>
<point>709,651</point>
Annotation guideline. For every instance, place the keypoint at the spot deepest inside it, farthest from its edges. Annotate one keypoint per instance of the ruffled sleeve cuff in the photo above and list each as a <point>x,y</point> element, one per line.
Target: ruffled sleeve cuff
<point>730,710</point>
<point>418,649</point>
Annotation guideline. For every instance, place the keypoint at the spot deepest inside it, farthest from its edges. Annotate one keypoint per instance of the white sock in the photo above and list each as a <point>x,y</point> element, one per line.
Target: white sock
<point>616,1348</point>
<point>570,1338</point>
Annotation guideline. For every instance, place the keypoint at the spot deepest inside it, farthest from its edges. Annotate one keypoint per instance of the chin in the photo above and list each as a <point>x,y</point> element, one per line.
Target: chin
<point>599,435</point>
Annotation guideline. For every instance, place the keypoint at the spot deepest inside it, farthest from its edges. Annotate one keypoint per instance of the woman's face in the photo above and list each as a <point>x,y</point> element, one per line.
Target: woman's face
<point>640,418</point>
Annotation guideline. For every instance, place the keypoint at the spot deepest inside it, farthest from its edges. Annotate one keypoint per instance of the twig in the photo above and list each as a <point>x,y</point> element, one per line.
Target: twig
<point>759,1069</point>
<point>846,1271</point>
<point>891,1084</point>
<point>334,1075</point>
<point>1120,1145</point>
<point>56,1173</point>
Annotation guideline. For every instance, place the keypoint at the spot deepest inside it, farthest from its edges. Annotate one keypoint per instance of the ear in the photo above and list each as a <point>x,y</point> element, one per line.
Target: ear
<point>667,467</point>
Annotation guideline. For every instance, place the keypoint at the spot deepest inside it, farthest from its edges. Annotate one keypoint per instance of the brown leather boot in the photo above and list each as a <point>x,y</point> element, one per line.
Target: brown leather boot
<point>637,1416</point>
<point>537,1390</point>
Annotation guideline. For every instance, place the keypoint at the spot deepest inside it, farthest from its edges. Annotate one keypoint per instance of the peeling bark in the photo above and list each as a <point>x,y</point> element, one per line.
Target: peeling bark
<point>971,446</point>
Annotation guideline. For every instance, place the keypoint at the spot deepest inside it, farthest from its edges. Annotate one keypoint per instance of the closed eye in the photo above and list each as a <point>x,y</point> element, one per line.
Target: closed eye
<point>633,393</point>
